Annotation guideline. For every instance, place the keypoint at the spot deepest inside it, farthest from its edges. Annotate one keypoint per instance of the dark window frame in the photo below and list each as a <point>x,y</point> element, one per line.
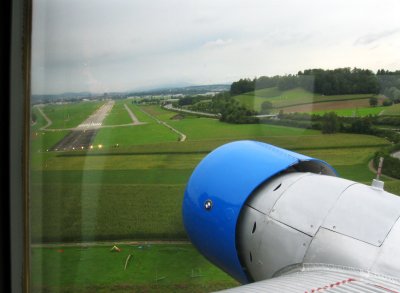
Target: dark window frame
<point>15,248</point>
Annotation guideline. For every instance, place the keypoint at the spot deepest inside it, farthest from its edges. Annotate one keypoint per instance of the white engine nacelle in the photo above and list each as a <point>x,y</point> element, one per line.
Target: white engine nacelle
<point>310,218</point>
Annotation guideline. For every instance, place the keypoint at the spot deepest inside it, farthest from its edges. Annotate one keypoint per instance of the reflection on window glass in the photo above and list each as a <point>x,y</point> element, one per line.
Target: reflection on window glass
<point>129,96</point>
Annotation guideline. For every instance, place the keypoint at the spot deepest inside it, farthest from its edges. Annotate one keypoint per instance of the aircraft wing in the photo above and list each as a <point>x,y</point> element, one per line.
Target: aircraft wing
<point>310,278</point>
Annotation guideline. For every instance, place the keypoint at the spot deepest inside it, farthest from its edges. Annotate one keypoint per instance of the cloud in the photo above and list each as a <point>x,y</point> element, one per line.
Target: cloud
<point>217,43</point>
<point>374,37</point>
<point>123,44</point>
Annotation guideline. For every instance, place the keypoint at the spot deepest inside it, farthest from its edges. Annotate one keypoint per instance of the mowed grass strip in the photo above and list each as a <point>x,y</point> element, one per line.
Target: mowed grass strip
<point>118,114</point>
<point>41,140</point>
<point>142,116</point>
<point>92,212</point>
<point>134,135</point>
<point>151,268</point>
<point>70,115</point>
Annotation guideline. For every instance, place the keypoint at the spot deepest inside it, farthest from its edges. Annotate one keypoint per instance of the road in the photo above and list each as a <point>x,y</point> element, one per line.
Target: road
<point>210,115</point>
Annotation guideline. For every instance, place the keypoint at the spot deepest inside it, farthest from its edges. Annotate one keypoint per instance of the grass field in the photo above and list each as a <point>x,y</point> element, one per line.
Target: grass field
<point>70,115</point>
<point>150,132</point>
<point>134,134</point>
<point>118,114</point>
<point>392,110</point>
<point>151,268</point>
<point>298,96</point>
<point>356,112</point>
<point>329,106</point>
<point>135,191</point>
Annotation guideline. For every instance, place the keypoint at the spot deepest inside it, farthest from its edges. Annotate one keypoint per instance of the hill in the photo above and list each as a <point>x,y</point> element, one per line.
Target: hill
<point>294,97</point>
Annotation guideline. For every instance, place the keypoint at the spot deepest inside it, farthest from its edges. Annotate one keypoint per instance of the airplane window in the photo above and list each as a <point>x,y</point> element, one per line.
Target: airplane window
<point>129,97</point>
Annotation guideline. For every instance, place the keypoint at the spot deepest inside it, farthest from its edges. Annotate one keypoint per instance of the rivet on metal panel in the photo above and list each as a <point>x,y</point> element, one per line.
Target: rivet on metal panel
<point>208,204</point>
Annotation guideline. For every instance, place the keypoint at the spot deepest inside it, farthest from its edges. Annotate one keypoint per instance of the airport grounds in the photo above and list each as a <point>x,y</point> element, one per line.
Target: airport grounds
<point>121,183</point>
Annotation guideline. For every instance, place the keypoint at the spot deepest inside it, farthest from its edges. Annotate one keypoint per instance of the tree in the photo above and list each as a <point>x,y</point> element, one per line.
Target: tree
<point>373,101</point>
<point>330,123</point>
<point>387,102</point>
<point>266,107</point>
<point>361,125</point>
<point>242,86</point>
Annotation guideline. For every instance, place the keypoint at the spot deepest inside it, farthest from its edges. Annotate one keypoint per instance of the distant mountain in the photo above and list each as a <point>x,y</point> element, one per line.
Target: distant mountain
<point>185,90</point>
<point>68,96</point>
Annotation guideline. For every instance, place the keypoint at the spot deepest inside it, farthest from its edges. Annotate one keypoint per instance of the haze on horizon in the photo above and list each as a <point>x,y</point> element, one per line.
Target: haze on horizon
<point>104,46</point>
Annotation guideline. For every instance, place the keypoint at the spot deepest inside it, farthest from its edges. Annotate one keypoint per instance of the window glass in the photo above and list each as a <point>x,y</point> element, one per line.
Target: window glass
<point>129,96</point>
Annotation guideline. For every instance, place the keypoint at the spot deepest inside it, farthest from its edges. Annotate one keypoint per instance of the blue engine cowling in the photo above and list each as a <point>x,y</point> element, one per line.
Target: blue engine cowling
<point>219,187</point>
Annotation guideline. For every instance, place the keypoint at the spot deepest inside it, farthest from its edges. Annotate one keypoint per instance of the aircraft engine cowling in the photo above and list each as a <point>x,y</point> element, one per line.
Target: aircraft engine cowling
<point>254,209</point>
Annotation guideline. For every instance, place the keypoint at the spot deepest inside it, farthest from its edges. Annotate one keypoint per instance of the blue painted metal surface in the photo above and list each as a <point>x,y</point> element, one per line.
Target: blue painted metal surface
<point>224,180</point>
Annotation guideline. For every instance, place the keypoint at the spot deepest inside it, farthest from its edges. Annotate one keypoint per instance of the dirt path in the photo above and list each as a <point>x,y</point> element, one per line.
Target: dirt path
<point>133,117</point>
<point>49,122</point>
<point>182,136</point>
<point>108,243</point>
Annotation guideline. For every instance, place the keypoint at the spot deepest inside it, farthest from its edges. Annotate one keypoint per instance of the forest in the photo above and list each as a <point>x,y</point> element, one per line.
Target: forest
<point>338,81</point>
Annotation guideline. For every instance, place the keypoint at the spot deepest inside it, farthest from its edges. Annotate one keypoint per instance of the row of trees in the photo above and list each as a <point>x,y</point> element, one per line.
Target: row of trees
<point>328,82</point>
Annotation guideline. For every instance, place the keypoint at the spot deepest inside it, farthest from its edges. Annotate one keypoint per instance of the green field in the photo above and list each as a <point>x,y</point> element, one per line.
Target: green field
<point>118,114</point>
<point>392,110</point>
<point>150,132</point>
<point>151,268</point>
<point>134,134</point>
<point>298,96</point>
<point>135,191</point>
<point>357,112</point>
<point>71,114</point>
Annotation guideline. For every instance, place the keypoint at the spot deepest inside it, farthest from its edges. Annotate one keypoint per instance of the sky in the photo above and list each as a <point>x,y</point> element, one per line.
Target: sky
<point>125,45</point>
